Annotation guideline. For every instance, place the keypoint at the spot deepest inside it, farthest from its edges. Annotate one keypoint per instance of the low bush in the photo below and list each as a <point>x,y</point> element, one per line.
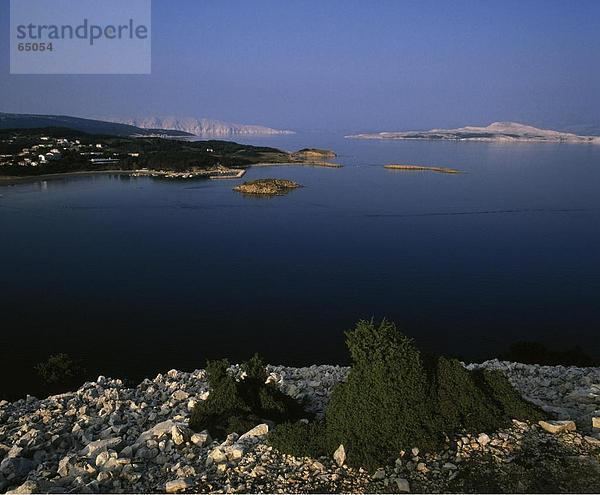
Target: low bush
<point>393,401</point>
<point>304,439</point>
<point>239,405</point>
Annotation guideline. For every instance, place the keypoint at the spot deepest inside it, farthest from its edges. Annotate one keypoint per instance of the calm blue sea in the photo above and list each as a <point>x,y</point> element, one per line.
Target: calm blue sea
<point>136,276</point>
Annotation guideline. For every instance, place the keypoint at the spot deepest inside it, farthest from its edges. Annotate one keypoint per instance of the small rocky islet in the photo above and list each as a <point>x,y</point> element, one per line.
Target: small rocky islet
<point>267,187</point>
<point>109,438</point>
<point>422,168</point>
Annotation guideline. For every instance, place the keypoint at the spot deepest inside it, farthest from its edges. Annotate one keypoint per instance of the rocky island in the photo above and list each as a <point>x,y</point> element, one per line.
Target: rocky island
<point>422,168</point>
<point>499,132</point>
<point>267,187</point>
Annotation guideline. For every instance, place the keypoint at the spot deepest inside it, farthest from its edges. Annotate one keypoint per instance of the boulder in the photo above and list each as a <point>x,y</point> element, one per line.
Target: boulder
<point>379,474</point>
<point>555,427</point>
<point>201,439</point>
<point>216,456</point>
<point>596,422</point>
<point>92,449</point>
<point>339,456</point>
<point>27,487</point>
<point>178,485</point>
<point>483,439</point>
<point>592,441</point>
<point>180,434</point>
<point>158,430</point>
<point>403,485</point>
<point>235,452</point>
<point>256,433</point>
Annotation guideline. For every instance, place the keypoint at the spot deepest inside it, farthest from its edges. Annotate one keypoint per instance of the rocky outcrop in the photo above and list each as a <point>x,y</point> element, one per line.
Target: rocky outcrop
<point>313,154</point>
<point>267,187</point>
<point>109,438</point>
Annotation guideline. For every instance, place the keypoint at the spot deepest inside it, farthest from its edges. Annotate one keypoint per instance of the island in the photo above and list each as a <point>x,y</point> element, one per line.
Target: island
<point>498,132</point>
<point>267,187</point>
<point>314,153</point>
<point>55,151</point>
<point>312,157</point>
<point>441,170</point>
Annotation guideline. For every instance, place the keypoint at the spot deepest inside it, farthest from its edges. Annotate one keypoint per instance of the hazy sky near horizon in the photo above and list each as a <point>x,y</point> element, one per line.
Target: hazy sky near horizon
<point>345,65</point>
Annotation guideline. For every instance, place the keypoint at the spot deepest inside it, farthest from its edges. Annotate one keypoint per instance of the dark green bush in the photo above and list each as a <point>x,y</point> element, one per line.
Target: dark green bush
<point>301,439</point>
<point>459,401</point>
<point>238,406</point>
<point>394,401</point>
<point>384,406</point>
<point>499,389</point>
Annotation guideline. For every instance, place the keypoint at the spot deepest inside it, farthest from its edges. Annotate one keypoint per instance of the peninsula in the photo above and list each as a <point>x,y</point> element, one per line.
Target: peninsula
<point>56,151</point>
<point>499,132</point>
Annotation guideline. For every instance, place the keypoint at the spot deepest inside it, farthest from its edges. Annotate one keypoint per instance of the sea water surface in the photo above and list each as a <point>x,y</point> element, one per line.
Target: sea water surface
<point>135,276</point>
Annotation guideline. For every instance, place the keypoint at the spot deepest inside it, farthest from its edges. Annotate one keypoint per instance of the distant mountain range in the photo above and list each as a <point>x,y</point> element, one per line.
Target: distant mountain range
<point>199,127</point>
<point>91,126</point>
<point>496,132</point>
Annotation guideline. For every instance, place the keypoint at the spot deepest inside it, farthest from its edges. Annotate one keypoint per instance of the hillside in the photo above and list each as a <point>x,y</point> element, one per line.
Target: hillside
<point>90,126</point>
<point>199,127</point>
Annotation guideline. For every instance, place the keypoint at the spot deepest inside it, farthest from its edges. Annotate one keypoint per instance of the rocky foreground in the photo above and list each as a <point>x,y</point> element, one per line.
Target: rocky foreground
<point>106,437</point>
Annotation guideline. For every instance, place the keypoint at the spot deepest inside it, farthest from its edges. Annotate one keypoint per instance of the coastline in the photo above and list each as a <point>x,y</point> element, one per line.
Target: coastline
<point>13,180</point>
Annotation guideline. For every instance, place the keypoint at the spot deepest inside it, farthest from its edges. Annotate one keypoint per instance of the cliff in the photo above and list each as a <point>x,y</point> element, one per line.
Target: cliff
<point>199,127</point>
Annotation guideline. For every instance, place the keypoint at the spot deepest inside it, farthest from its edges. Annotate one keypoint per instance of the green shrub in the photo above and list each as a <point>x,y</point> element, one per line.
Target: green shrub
<point>238,406</point>
<point>384,406</point>
<point>301,439</point>
<point>499,389</point>
<point>393,401</point>
<point>459,401</point>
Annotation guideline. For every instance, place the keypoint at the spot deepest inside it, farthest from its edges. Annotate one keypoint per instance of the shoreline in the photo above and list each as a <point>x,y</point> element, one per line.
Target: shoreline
<point>13,180</point>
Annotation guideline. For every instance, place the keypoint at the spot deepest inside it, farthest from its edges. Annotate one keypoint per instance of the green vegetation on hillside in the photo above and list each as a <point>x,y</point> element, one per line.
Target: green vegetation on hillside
<point>77,150</point>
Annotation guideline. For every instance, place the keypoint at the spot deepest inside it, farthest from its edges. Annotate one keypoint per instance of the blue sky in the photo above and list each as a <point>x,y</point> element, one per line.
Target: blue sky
<point>345,65</point>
